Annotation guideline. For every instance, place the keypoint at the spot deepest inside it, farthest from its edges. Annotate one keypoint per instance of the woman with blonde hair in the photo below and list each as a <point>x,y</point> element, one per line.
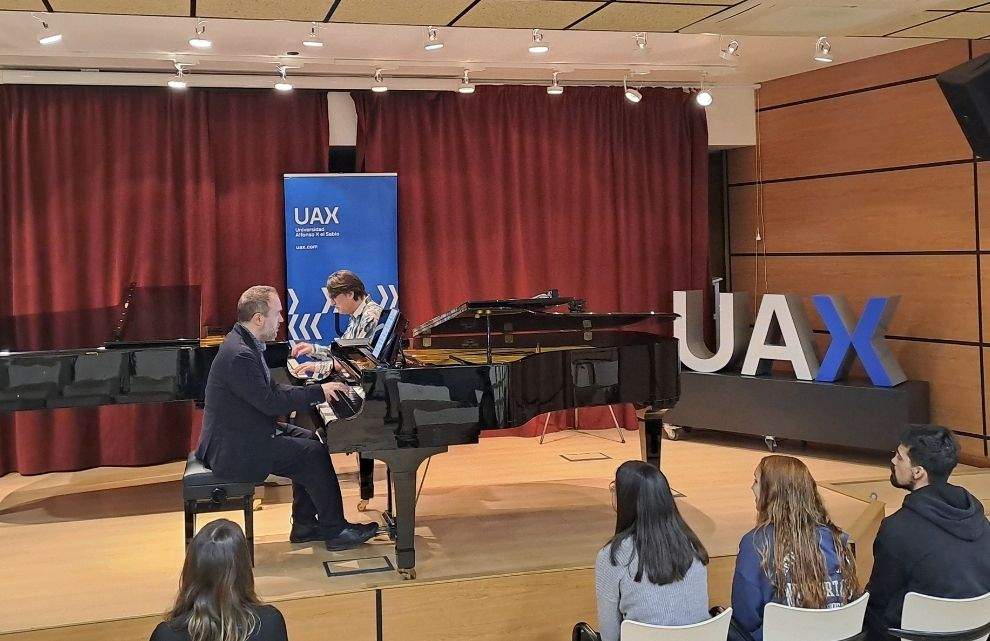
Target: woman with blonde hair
<point>795,555</point>
<point>216,600</point>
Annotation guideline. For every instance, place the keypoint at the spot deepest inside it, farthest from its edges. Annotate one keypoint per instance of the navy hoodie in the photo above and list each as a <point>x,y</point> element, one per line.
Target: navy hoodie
<point>752,589</point>
<point>937,544</point>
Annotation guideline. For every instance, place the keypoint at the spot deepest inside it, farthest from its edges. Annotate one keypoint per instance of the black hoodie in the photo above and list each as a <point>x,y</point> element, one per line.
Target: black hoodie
<point>937,544</point>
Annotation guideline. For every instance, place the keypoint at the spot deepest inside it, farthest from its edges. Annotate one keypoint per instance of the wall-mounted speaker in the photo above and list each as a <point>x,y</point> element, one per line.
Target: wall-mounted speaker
<point>967,88</point>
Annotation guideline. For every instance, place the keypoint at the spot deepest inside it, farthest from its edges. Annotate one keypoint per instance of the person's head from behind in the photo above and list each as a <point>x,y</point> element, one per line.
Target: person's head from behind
<point>925,454</point>
<point>646,512</point>
<point>259,309</point>
<point>789,512</point>
<point>346,291</point>
<point>216,599</point>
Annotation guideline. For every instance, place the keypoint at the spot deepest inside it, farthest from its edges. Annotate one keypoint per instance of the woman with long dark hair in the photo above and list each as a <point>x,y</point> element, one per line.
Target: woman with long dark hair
<point>795,555</point>
<point>216,600</point>
<point>653,569</point>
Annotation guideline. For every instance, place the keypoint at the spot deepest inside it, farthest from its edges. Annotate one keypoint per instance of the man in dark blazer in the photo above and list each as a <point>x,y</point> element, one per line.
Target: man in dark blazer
<point>242,440</point>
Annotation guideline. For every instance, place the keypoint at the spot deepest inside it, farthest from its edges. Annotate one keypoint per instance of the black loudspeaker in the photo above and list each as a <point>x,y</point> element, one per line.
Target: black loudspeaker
<point>967,89</point>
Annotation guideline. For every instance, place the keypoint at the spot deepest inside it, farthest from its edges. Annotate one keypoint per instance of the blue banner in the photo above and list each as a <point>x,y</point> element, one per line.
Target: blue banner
<point>337,221</point>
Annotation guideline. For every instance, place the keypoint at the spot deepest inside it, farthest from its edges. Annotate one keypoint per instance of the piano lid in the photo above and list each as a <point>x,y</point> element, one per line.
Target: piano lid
<point>146,316</point>
<point>527,315</point>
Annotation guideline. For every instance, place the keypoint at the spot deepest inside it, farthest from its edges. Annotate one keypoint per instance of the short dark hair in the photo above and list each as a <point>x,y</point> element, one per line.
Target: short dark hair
<point>343,281</point>
<point>254,300</point>
<point>932,447</point>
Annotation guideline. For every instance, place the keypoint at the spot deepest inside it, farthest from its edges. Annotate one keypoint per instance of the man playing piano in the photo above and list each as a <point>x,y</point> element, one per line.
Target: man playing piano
<point>241,439</point>
<point>348,296</point>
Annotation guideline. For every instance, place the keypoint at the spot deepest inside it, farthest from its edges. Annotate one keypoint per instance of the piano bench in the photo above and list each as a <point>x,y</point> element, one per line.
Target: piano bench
<point>202,491</point>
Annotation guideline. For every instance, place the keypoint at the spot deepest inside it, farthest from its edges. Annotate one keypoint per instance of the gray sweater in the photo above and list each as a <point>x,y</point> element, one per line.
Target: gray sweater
<point>620,597</point>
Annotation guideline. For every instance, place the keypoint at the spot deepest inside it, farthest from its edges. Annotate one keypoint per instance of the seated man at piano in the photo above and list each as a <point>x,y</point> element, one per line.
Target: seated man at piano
<point>243,441</point>
<point>348,296</point>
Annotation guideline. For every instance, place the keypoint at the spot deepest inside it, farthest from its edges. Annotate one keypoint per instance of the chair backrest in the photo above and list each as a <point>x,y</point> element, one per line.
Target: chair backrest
<point>933,614</point>
<point>836,624</point>
<point>714,629</point>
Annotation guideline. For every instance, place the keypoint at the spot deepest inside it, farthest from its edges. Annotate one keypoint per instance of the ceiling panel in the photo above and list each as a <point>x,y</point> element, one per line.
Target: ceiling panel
<point>526,14</point>
<point>637,16</point>
<point>959,25</point>
<point>897,23</point>
<point>264,9</point>
<point>416,12</point>
<point>124,7</point>
<point>22,5</point>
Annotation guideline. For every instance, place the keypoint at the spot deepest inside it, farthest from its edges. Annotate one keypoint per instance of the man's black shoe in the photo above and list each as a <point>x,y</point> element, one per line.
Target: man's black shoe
<point>352,536</point>
<point>306,532</point>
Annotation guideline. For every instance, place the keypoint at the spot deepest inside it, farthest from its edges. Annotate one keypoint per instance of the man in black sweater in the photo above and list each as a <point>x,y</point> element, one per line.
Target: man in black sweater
<point>243,441</point>
<point>938,543</point>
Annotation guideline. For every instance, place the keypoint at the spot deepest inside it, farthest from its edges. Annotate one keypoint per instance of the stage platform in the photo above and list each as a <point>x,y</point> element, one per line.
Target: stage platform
<point>506,539</point>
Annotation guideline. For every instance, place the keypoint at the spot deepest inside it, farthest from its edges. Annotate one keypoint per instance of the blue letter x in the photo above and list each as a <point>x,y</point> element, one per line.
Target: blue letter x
<point>867,340</point>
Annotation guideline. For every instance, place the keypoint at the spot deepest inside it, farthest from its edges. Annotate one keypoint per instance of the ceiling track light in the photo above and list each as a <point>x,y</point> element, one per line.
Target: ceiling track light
<point>731,50</point>
<point>823,50</point>
<point>538,45</point>
<point>555,89</point>
<point>703,97</point>
<point>379,86</point>
<point>48,36</point>
<point>640,41</point>
<point>200,41</point>
<point>433,42</point>
<point>282,84</point>
<point>178,80</point>
<point>632,95</point>
<point>313,39</point>
<point>466,86</point>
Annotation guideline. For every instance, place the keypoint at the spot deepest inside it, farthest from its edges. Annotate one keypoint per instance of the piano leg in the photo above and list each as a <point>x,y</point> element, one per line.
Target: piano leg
<point>402,465</point>
<point>366,473</point>
<point>651,437</point>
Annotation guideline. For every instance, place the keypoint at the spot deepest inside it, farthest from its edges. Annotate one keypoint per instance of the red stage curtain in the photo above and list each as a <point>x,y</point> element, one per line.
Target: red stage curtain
<point>510,191</point>
<point>101,186</point>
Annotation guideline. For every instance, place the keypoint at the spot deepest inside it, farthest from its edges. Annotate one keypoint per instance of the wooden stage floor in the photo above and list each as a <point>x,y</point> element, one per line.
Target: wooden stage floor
<point>507,534</point>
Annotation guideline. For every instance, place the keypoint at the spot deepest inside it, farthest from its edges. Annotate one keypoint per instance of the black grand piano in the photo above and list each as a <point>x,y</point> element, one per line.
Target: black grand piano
<point>486,365</point>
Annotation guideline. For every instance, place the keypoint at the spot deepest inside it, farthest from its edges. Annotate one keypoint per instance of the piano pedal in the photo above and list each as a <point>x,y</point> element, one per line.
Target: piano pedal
<point>389,525</point>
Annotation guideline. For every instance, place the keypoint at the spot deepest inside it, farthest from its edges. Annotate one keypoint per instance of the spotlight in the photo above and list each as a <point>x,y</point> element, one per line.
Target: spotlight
<point>282,84</point>
<point>466,86</point>
<point>200,41</point>
<point>313,39</point>
<point>640,41</point>
<point>823,50</point>
<point>731,50</point>
<point>703,97</point>
<point>538,45</point>
<point>178,80</point>
<point>555,89</point>
<point>379,86</point>
<point>433,42</point>
<point>48,36</point>
<point>632,95</point>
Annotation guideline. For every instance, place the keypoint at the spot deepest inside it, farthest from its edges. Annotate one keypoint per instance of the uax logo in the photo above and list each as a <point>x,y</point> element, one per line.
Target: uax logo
<point>781,332</point>
<point>316,215</point>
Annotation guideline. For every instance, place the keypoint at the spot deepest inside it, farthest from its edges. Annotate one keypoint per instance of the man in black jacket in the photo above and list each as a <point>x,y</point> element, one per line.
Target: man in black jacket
<point>242,440</point>
<point>938,543</point>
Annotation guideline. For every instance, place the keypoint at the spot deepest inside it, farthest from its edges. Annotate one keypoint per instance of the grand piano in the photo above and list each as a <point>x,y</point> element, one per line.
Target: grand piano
<point>489,364</point>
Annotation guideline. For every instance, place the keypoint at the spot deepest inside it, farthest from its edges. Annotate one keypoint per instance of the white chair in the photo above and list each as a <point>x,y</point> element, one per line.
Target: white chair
<point>714,629</point>
<point>781,622</point>
<point>932,618</point>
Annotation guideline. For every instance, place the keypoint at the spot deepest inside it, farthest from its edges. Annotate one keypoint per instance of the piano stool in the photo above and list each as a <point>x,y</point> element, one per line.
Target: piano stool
<point>202,491</point>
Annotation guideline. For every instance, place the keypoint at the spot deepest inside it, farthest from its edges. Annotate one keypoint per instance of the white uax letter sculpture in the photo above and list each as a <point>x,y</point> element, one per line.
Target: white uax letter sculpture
<point>793,328</point>
<point>733,323</point>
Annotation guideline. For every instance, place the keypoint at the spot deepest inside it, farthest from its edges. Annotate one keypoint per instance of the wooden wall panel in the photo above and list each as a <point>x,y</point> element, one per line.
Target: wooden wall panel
<point>742,165</point>
<point>980,47</point>
<point>983,191</point>
<point>897,126</point>
<point>937,292</point>
<point>540,606</point>
<point>926,209</point>
<point>970,449</point>
<point>917,62</point>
